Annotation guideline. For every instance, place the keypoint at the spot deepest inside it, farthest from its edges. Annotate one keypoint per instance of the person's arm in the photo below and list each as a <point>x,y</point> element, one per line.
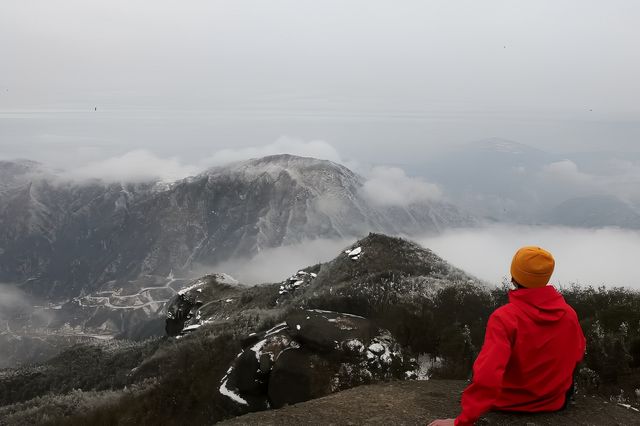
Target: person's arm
<point>488,370</point>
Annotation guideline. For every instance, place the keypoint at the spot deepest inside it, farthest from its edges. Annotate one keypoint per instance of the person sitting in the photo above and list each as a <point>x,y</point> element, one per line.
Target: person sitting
<point>531,347</point>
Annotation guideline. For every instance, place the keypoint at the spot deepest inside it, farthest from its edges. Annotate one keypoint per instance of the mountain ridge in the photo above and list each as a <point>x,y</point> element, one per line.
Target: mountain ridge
<point>100,233</point>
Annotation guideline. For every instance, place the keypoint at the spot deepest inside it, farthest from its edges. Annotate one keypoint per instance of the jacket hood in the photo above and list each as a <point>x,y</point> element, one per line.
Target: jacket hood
<point>542,304</point>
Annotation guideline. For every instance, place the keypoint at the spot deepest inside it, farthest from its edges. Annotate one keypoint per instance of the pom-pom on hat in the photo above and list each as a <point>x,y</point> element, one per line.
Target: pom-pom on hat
<point>532,267</point>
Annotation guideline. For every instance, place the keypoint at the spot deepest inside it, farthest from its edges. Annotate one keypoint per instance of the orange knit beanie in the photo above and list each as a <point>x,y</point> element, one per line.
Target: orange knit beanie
<point>532,267</point>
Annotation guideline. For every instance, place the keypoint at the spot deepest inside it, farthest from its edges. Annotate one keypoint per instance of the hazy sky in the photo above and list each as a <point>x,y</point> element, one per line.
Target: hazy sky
<point>384,81</point>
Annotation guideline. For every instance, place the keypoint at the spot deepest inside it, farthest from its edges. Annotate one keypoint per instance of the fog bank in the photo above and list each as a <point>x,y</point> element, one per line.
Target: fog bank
<point>273,265</point>
<point>585,256</point>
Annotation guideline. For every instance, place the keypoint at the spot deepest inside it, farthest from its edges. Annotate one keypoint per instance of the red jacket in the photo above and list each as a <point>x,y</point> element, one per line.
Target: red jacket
<point>531,347</point>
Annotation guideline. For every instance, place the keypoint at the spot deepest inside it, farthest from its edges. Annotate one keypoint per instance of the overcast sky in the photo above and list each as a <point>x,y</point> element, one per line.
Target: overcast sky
<point>382,81</point>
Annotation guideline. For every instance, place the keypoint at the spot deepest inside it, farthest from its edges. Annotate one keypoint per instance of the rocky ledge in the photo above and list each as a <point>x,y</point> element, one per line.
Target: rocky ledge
<point>418,402</point>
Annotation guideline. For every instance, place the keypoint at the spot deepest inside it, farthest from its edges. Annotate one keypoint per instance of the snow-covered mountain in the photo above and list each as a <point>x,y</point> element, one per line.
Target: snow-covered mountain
<point>60,239</point>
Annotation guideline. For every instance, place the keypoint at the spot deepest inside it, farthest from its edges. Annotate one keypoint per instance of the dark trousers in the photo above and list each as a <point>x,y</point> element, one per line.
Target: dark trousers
<point>568,396</point>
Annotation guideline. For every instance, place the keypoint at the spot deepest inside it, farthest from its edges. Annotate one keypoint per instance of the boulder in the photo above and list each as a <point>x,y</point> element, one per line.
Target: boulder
<point>312,354</point>
<point>247,370</point>
<point>324,330</point>
<point>298,375</point>
<point>180,310</point>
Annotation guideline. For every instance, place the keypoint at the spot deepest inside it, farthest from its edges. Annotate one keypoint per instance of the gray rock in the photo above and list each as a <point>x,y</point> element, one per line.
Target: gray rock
<point>323,330</point>
<point>327,353</point>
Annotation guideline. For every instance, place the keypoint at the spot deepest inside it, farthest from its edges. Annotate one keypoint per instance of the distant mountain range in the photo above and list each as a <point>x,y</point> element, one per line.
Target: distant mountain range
<point>62,239</point>
<point>507,181</point>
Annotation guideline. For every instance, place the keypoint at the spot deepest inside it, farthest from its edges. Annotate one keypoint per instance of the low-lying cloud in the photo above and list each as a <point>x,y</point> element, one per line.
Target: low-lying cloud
<point>18,309</point>
<point>145,166</point>
<point>12,302</point>
<point>595,257</point>
<point>390,186</point>
<point>585,256</point>
<point>273,265</point>
<point>134,167</point>
<point>622,180</point>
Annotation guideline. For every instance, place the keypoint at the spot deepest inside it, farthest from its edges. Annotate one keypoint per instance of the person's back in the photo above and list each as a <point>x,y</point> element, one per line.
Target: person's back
<point>531,347</point>
<point>547,345</point>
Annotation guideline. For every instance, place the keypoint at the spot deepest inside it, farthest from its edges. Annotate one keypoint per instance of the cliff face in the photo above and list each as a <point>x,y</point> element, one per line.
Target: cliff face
<point>419,402</point>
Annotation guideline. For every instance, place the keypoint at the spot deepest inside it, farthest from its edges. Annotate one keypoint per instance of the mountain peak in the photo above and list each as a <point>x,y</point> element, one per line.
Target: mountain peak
<point>315,174</point>
<point>275,162</point>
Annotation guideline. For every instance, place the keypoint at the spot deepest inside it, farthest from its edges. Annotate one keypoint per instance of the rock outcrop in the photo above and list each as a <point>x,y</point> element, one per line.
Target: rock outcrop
<point>312,354</point>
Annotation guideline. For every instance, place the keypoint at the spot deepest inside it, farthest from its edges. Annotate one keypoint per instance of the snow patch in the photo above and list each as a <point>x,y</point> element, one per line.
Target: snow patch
<point>376,348</point>
<point>185,290</point>
<point>355,253</point>
<point>223,278</point>
<point>224,390</point>
<point>628,407</point>
<point>276,329</point>
<point>192,327</point>
<point>320,311</point>
<point>355,345</point>
<point>257,348</point>
<point>340,323</point>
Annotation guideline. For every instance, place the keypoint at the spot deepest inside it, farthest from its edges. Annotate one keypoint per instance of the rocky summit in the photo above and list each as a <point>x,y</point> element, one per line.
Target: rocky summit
<point>418,403</point>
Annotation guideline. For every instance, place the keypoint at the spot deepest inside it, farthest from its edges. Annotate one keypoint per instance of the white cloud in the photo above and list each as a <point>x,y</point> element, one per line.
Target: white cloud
<point>390,186</point>
<point>565,179</point>
<point>586,256</point>
<point>274,265</point>
<point>12,300</point>
<point>626,182</point>
<point>144,166</point>
<point>134,166</point>
<point>566,171</point>
<point>284,145</point>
